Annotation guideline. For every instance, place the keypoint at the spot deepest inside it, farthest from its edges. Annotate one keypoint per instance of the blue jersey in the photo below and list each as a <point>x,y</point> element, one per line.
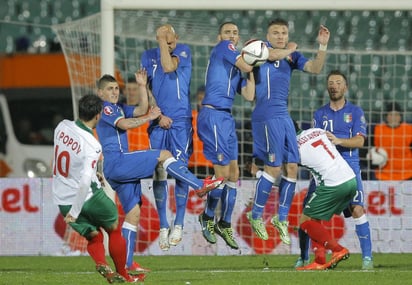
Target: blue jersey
<point>113,139</point>
<point>119,165</point>
<point>171,90</point>
<point>272,86</point>
<point>223,78</point>
<point>345,123</point>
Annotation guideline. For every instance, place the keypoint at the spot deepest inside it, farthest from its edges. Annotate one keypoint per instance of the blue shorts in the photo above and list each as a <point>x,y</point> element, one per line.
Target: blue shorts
<point>130,166</point>
<point>178,139</point>
<point>130,194</point>
<point>274,141</point>
<point>217,131</point>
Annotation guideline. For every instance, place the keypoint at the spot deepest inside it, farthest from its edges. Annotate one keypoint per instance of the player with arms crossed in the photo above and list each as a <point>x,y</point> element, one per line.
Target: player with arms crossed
<point>79,194</point>
<point>216,129</point>
<point>346,128</point>
<point>335,187</point>
<point>274,140</point>
<point>169,69</point>
<point>123,169</point>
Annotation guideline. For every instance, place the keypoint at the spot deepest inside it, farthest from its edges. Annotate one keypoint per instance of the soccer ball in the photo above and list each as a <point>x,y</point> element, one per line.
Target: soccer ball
<point>377,156</point>
<point>255,52</point>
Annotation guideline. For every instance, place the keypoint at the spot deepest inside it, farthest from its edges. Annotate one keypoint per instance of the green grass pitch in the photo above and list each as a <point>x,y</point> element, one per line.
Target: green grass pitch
<point>208,270</point>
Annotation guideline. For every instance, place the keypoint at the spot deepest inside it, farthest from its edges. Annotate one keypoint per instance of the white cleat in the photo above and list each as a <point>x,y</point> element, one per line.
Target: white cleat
<point>176,235</point>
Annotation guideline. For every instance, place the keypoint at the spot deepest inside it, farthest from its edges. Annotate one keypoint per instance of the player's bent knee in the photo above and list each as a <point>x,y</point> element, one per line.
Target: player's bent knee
<point>91,235</point>
<point>357,211</point>
<point>164,154</point>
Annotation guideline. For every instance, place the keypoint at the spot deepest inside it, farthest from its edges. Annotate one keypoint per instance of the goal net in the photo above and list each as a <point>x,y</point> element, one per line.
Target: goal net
<point>375,77</point>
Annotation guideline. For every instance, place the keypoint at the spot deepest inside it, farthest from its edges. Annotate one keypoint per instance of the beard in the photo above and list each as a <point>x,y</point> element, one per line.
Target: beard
<point>335,96</point>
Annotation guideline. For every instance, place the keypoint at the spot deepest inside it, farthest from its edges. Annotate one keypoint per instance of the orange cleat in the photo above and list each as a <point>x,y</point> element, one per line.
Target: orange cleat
<point>313,266</point>
<point>337,257</point>
<point>208,185</point>
<point>137,268</point>
<point>135,278</point>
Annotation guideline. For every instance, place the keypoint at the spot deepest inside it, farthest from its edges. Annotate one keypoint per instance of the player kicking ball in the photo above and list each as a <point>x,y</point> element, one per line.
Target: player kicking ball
<point>335,187</point>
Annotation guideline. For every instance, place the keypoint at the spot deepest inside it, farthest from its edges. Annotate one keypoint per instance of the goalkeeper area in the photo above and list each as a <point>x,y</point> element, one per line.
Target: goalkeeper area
<point>379,69</point>
<point>203,270</point>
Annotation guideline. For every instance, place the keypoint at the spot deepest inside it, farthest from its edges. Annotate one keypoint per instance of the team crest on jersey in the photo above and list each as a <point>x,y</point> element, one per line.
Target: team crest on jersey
<point>220,156</point>
<point>108,110</point>
<point>347,117</point>
<point>271,157</point>
<point>231,47</point>
<point>183,54</point>
<point>289,58</point>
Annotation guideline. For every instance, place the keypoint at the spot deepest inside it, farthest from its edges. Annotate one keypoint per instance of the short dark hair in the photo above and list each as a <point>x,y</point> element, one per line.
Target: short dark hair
<point>89,107</point>
<point>393,106</point>
<point>226,23</point>
<point>278,21</point>
<point>102,82</point>
<point>336,72</point>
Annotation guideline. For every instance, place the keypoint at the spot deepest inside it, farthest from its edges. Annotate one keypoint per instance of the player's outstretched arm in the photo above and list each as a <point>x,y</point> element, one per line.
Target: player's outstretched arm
<point>315,65</point>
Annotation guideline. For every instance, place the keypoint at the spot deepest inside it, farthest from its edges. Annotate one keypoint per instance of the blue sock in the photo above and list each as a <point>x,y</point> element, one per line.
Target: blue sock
<point>160,193</point>
<point>212,200</point>
<point>286,193</point>
<point>181,191</point>
<point>304,242</point>
<point>129,234</point>
<point>263,189</point>
<point>179,171</point>
<point>364,235</point>
<point>229,194</point>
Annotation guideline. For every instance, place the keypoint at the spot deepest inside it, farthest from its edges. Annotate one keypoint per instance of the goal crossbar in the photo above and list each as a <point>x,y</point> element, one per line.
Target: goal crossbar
<point>107,7</point>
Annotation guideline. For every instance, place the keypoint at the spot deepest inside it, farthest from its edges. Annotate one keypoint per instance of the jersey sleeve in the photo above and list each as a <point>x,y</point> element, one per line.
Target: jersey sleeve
<point>229,51</point>
<point>144,60</point>
<point>299,60</point>
<point>360,124</point>
<point>111,114</point>
<point>183,53</point>
<point>88,171</point>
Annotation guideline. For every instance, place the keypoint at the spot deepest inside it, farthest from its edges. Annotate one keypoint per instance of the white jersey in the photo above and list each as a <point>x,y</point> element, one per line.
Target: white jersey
<point>320,156</point>
<point>76,153</point>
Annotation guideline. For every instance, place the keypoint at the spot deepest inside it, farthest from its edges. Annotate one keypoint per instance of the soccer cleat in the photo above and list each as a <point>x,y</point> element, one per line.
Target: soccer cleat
<point>176,235</point>
<point>208,185</point>
<point>164,239</point>
<point>117,278</point>
<point>300,262</point>
<point>208,230</point>
<point>282,228</point>
<point>367,263</point>
<point>136,268</point>
<point>227,235</point>
<point>313,266</point>
<point>105,271</point>
<point>134,278</point>
<point>258,226</point>
<point>337,257</point>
